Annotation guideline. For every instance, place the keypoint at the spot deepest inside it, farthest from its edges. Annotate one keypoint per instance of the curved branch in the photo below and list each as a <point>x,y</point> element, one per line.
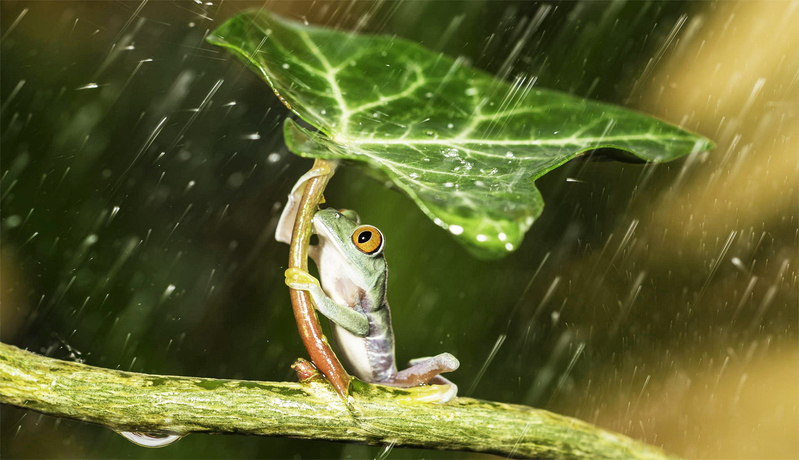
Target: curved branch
<point>304,312</point>
<point>376,415</point>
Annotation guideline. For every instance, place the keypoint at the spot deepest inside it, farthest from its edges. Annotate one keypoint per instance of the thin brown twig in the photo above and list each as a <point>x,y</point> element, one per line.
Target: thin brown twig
<point>310,330</point>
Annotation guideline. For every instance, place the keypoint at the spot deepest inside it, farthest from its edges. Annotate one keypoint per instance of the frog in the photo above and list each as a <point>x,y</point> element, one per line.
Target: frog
<point>352,295</point>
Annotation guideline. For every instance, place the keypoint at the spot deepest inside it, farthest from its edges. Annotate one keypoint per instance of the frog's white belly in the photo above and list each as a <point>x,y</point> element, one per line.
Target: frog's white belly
<point>370,358</point>
<point>354,352</point>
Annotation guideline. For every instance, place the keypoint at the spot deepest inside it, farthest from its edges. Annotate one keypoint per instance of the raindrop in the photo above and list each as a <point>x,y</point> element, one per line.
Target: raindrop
<point>508,247</point>
<point>471,91</point>
<point>740,265</point>
<point>235,180</point>
<point>88,86</point>
<point>386,450</point>
<point>168,292</point>
<point>13,221</point>
<point>286,66</point>
<point>253,136</point>
<point>273,157</point>
<point>455,229</point>
<point>482,238</point>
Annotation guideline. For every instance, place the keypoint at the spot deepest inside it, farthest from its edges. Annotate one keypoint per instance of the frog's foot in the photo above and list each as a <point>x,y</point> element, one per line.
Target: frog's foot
<point>150,439</point>
<point>427,370</point>
<point>300,280</point>
<point>286,223</point>
<point>305,370</point>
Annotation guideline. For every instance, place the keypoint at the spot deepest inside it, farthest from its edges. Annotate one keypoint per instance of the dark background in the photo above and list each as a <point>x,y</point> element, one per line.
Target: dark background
<point>142,170</point>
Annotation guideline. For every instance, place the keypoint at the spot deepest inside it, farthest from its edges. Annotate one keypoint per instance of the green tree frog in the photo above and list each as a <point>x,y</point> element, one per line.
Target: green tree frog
<point>352,296</point>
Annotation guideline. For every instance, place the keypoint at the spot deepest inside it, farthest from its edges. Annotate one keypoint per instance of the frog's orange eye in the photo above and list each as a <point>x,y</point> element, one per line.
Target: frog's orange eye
<point>368,239</point>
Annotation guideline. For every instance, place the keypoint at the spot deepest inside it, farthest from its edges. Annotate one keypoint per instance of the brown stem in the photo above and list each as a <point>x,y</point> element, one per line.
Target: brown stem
<point>304,312</point>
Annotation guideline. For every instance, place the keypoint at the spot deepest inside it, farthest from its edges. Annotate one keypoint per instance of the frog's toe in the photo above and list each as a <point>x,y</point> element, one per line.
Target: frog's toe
<point>318,170</point>
<point>448,362</point>
<point>430,394</point>
<point>449,393</point>
<point>300,280</point>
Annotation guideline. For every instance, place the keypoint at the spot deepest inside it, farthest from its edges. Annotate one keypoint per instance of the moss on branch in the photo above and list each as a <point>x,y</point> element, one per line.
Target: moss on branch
<point>312,409</point>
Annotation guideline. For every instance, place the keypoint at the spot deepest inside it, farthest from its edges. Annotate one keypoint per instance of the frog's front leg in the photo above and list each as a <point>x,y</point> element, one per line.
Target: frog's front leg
<point>285,226</point>
<point>346,317</point>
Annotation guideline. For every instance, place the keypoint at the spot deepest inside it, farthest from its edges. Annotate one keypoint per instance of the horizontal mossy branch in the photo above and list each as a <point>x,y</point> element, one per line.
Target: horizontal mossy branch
<point>374,414</point>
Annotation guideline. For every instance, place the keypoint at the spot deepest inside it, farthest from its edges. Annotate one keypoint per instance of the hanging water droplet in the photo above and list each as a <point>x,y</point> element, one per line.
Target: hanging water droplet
<point>152,440</point>
<point>455,229</point>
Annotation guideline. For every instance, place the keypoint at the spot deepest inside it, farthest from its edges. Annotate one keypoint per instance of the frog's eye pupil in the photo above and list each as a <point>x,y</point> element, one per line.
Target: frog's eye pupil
<point>368,240</point>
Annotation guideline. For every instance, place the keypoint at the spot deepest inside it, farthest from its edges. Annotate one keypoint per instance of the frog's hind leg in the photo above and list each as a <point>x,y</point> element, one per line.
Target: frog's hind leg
<point>423,370</point>
<point>427,370</point>
<point>438,379</point>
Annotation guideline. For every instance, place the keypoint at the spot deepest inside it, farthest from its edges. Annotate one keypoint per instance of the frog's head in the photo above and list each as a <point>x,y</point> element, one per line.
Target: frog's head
<point>361,246</point>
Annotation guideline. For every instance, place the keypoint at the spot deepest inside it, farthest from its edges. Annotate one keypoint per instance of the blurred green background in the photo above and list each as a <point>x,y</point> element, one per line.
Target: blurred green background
<point>143,169</point>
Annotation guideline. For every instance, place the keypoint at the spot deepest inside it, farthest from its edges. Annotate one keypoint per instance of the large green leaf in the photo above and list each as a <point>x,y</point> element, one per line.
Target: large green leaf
<point>464,145</point>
